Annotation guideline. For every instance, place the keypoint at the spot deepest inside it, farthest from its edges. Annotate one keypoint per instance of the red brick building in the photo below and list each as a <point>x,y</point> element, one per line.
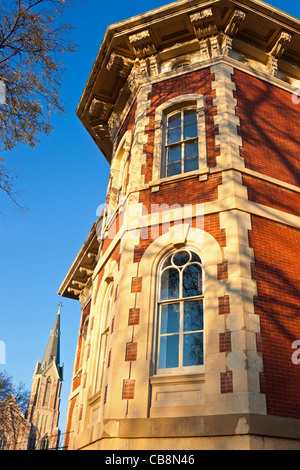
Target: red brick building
<point>189,280</point>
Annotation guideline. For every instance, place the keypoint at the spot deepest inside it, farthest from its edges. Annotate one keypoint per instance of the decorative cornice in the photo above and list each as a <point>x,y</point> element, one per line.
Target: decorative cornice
<point>234,24</point>
<point>119,64</point>
<point>86,269</point>
<point>100,109</point>
<point>132,54</point>
<point>282,43</point>
<point>204,23</point>
<point>142,44</point>
<point>79,275</point>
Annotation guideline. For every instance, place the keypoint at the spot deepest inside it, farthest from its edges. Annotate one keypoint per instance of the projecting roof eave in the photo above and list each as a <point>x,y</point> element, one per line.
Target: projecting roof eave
<point>82,268</point>
<point>107,89</point>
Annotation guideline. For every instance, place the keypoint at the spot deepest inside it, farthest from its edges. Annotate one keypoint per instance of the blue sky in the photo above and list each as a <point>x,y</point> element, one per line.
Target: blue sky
<point>62,181</point>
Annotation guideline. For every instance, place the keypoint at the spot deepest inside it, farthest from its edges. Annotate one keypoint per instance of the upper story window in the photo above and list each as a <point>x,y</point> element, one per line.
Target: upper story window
<point>180,64</point>
<point>120,170</point>
<point>180,137</point>
<point>180,313</point>
<point>181,143</point>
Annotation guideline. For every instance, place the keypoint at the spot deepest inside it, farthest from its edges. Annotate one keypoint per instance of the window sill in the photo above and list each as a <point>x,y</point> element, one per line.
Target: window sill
<point>180,177</point>
<point>94,399</point>
<point>182,378</point>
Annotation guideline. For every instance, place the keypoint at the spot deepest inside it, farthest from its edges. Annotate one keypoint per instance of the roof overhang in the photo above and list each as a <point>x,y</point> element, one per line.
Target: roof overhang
<point>159,32</point>
<point>80,273</point>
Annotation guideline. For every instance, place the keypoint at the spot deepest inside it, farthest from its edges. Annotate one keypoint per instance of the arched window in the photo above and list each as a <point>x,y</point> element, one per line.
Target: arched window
<point>181,143</point>
<point>45,443</point>
<point>32,440</point>
<point>180,64</point>
<point>103,337</point>
<point>180,341</point>
<point>48,390</point>
<point>119,170</point>
<point>84,332</point>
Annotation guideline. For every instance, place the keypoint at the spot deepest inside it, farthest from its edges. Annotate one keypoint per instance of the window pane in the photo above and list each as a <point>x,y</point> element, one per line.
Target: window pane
<point>174,121</point>
<point>192,281</point>
<point>174,169</point>
<point>174,129</point>
<point>168,353</point>
<point>174,154</point>
<point>181,258</point>
<point>190,116</point>
<point>169,284</point>
<point>190,130</point>
<point>195,257</point>
<point>190,124</point>
<point>193,316</point>
<point>191,165</point>
<point>191,150</point>
<point>193,349</point>
<point>174,135</point>
<point>169,322</point>
<point>167,262</point>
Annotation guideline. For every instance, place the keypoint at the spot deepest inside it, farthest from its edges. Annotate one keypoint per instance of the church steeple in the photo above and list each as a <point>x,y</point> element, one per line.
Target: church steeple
<point>43,406</point>
<point>52,352</point>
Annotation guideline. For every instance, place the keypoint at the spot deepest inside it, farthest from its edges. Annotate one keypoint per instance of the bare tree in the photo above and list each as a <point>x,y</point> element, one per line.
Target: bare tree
<point>13,404</point>
<point>32,44</point>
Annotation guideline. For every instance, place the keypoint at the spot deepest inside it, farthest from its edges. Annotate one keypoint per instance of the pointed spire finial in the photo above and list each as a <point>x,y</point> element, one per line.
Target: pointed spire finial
<point>60,305</point>
<point>52,352</point>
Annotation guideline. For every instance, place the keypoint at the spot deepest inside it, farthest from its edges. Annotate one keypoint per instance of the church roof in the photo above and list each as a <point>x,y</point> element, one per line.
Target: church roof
<point>52,351</point>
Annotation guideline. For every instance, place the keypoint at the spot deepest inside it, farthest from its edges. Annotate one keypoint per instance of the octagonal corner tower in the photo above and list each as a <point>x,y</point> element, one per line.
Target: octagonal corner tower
<point>189,280</point>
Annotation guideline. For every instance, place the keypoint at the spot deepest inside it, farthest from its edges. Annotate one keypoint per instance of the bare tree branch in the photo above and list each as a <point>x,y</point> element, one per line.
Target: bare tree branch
<point>32,45</point>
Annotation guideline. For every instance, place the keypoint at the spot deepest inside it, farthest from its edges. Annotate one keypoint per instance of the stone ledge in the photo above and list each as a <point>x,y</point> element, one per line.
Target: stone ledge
<point>204,426</point>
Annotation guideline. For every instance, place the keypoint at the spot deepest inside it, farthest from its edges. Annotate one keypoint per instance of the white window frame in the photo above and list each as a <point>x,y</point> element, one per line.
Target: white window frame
<point>182,142</point>
<point>181,300</point>
<point>188,101</point>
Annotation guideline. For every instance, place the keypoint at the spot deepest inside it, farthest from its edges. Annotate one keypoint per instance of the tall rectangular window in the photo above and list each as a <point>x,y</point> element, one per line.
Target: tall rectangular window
<point>181,143</point>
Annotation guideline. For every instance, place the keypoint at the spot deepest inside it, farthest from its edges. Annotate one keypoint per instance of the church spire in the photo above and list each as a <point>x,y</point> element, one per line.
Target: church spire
<point>52,352</point>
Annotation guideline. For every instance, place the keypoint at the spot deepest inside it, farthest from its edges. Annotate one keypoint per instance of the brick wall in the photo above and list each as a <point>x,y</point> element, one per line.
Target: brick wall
<point>183,192</point>
<point>269,128</point>
<point>272,195</point>
<point>276,270</point>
